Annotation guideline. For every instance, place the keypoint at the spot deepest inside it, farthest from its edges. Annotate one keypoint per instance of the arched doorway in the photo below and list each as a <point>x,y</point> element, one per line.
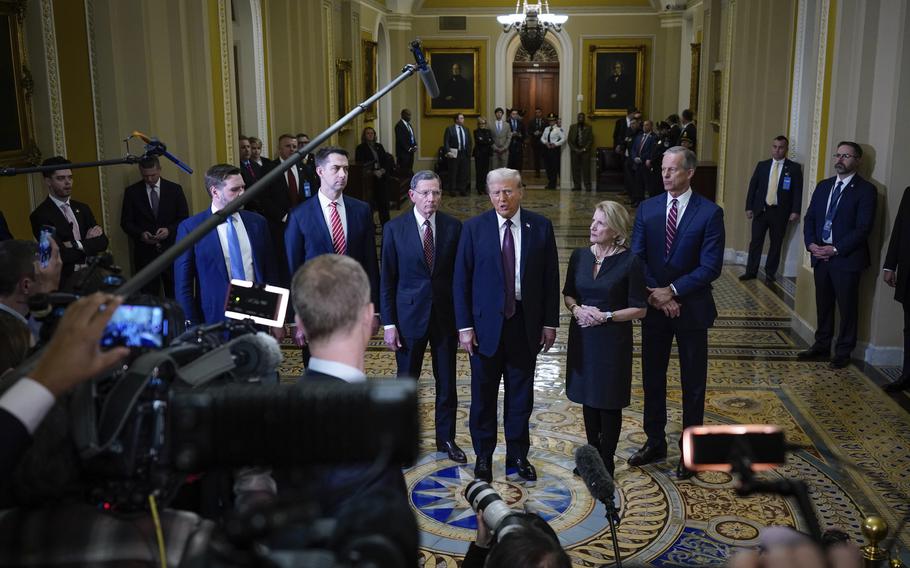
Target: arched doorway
<point>535,84</point>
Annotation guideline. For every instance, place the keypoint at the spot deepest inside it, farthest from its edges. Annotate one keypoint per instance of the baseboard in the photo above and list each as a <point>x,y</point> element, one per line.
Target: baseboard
<point>802,328</point>
<point>882,356</point>
<point>740,257</point>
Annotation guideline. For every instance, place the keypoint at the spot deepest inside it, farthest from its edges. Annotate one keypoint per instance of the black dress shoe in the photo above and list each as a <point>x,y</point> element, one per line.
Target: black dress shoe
<point>483,469</point>
<point>647,454</point>
<point>813,353</point>
<point>451,448</point>
<point>744,277</point>
<point>901,384</point>
<point>524,467</point>
<point>770,279</point>
<point>839,362</point>
<point>682,472</point>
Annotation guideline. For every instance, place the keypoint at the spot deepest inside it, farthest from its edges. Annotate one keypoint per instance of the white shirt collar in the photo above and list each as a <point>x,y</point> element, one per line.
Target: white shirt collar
<point>846,181</point>
<point>344,372</point>
<point>324,201</point>
<point>156,186</point>
<point>516,218</point>
<point>682,200</point>
<point>58,202</point>
<point>236,214</point>
<point>420,218</point>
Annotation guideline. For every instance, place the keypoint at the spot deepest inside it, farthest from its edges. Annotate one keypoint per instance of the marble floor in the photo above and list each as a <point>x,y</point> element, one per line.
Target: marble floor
<point>856,459</point>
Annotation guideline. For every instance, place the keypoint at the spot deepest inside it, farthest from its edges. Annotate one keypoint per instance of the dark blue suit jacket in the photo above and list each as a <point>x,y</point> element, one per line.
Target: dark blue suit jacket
<point>479,288</point>
<point>408,289</point>
<point>791,199</point>
<point>200,276</point>
<point>850,227</point>
<point>307,237</point>
<point>695,260</point>
<point>643,152</point>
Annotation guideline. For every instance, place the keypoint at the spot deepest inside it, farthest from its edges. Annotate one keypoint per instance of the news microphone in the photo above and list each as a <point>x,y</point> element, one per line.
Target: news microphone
<point>594,473</point>
<point>252,354</point>
<point>155,147</point>
<point>424,70</point>
<point>41,305</point>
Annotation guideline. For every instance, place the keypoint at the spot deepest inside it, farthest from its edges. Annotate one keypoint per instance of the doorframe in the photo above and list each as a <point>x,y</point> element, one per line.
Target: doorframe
<point>506,47</point>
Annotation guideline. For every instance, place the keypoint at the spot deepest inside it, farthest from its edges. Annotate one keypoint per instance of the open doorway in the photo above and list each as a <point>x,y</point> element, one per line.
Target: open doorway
<point>535,84</point>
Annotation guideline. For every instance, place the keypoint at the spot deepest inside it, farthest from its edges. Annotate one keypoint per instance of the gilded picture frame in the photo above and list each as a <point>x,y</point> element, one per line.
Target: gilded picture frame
<point>458,74</point>
<point>343,92</point>
<point>370,79</point>
<point>617,78</point>
<point>717,95</point>
<point>693,78</point>
<point>17,133</point>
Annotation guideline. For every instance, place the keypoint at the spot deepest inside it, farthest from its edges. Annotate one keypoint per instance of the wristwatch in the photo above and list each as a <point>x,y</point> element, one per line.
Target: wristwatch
<point>608,316</point>
<point>834,248</point>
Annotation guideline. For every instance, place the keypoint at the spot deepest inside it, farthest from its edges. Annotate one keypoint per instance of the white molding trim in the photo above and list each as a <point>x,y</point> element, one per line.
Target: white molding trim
<point>262,123</point>
<point>796,81</point>
<point>824,14</point>
<point>106,205</point>
<point>225,47</point>
<point>741,257</point>
<point>55,97</point>
<point>802,328</point>
<point>726,88</point>
<point>399,22</point>
<point>328,21</point>
<point>881,356</point>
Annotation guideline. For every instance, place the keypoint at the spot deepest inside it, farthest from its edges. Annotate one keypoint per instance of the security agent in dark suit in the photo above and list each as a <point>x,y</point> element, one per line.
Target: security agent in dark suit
<point>77,233</point>
<point>152,209</point>
<point>836,230</point>
<point>536,127</point>
<point>331,297</point>
<point>770,211</point>
<point>72,356</point>
<point>250,170</point>
<point>895,274</point>
<point>457,147</point>
<point>619,131</point>
<point>418,261</point>
<point>688,135</point>
<point>405,143</point>
<point>516,146</point>
<point>680,238</point>
<point>506,290</point>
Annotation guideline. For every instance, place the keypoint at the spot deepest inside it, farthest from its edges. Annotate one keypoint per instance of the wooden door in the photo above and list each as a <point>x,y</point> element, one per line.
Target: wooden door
<point>535,85</point>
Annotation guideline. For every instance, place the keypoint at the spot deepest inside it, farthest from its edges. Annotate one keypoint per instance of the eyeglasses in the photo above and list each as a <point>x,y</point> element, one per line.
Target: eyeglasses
<point>424,194</point>
<point>504,192</point>
<point>843,156</point>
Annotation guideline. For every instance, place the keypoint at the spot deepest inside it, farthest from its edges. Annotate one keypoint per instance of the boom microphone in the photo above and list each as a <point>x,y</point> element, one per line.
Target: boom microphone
<point>424,70</point>
<point>594,473</point>
<point>155,147</point>
<point>252,354</point>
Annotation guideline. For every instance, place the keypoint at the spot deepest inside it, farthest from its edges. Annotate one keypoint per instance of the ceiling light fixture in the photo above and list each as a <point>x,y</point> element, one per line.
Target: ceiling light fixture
<point>532,21</point>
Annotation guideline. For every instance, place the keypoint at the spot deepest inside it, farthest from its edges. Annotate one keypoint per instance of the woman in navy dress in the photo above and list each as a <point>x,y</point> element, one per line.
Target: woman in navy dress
<point>605,291</point>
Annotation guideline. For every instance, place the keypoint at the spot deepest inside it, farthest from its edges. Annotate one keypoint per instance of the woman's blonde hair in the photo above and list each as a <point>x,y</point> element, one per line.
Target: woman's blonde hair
<point>618,219</point>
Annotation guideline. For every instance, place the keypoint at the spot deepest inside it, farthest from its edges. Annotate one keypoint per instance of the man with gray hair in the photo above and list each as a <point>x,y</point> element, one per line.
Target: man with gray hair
<point>680,238</point>
<point>506,291</point>
<point>418,260</point>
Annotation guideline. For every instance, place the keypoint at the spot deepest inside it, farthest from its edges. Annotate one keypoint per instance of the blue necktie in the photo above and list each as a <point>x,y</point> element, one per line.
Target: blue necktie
<point>237,272</point>
<point>832,207</point>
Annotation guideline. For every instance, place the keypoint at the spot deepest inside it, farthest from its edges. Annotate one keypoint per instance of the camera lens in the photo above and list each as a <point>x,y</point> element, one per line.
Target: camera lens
<point>483,497</point>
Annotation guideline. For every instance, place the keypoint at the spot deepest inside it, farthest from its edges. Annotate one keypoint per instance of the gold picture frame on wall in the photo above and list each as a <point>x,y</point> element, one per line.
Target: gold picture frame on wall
<point>458,73</point>
<point>717,92</point>
<point>343,89</point>
<point>370,80</point>
<point>617,78</point>
<point>17,134</point>
<point>693,78</point>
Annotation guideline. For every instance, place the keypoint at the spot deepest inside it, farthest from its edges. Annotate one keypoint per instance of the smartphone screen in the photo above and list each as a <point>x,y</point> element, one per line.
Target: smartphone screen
<point>136,326</point>
<point>44,245</point>
<point>714,448</point>
<point>264,304</point>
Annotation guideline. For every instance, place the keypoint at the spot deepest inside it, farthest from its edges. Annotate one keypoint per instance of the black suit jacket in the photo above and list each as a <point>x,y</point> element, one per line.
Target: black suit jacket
<point>850,226</point>
<point>898,256</point>
<point>14,440</point>
<point>250,179</point>
<point>517,141</point>
<point>789,193</point>
<point>619,132</point>
<point>5,235</point>
<point>364,157</point>
<point>403,142</point>
<point>274,203</point>
<point>47,213</point>
<point>136,217</point>
<point>450,140</point>
<point>689,132</point>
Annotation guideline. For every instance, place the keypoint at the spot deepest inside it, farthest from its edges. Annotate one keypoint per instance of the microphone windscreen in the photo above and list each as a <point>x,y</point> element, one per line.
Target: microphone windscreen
<point>429,81</point>
<point>594,473</point>
<point>256,354</point>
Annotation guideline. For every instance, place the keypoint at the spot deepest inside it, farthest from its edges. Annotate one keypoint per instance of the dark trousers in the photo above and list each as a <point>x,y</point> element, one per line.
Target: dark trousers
<point>514,361</point>
<point>552,159</point>
<point>160,284</point>
<point>836,288</point>
<point>443,348</point>
<point>905,370</point>
<point>459,171</point>
<point>581,170</point>
<point>539,155</point>
<point>628,177</point>
<point>773,220</point>
<point>381,197</point>
<point>405,162</point>
<point>516,156</point>
<point>657,342</point>
<point>482,168</point>
<point>602,428</point>
<point>639,183</point>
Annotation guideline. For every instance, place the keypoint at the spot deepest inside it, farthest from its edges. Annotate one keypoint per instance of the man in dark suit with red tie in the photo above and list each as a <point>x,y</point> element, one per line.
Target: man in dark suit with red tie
<point>249,170</point>
<point>506,291</point>
<point>895,274</point>
<point>771,210</point>
<point>77,234</point>
<point>152,209</point>
<point>836,231</point>
<point>680,238</point>
<point>418,260</point>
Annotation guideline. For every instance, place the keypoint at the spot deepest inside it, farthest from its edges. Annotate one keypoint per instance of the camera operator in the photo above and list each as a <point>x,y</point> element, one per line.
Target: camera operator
<point>22,276</point>
<point>535,545</point>
<point>73,356</point>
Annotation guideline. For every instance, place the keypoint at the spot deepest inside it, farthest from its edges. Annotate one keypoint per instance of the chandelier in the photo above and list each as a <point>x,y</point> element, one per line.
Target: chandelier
<point>532,21</point>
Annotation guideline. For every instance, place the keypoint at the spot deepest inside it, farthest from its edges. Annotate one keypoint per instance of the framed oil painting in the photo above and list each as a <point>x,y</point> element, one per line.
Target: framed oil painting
<point>458,75</point>
<point>617,79</point>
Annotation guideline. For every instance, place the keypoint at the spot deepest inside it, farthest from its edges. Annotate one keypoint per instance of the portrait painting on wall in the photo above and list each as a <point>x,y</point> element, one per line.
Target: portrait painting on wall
<point>458,76</point>
<point>17,147</point>
<point>617,79</point>
<point>343,88</point>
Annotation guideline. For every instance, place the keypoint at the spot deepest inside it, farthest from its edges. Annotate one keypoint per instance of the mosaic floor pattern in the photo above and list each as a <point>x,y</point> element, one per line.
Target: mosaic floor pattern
<point>857,439</point>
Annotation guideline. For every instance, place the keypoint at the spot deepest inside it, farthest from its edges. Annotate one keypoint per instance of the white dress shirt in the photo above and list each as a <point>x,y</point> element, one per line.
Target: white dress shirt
<point>246,250</point>
<point>681,203</point>
<point>344,372</point>
<point>29,401</point>
<point>327,213</point>
<point>553,135</point>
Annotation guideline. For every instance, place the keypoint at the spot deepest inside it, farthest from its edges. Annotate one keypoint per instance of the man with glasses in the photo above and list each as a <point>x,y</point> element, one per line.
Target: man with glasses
<point>507,309</point>
<point>418,260</point>
<point>836,230</point>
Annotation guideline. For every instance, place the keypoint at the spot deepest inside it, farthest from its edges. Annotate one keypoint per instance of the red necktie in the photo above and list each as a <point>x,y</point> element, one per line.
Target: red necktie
<point>337,230</point>
<point>292,189</point>
<point>249,169</point>
<point>671,224</point>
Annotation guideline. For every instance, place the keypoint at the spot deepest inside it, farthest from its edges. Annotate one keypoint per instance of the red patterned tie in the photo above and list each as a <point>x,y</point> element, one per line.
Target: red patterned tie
<point>671,224</point>
<point>428,247</point>
<point>337,230</point>
<point>292,189</point>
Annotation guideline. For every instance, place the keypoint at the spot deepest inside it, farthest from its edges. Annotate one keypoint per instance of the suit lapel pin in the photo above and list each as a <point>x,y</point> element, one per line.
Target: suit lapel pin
<point>527,225</point>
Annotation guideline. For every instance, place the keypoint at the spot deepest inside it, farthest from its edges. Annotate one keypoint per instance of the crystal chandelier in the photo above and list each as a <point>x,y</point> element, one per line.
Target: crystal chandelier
<point>532,21</point>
